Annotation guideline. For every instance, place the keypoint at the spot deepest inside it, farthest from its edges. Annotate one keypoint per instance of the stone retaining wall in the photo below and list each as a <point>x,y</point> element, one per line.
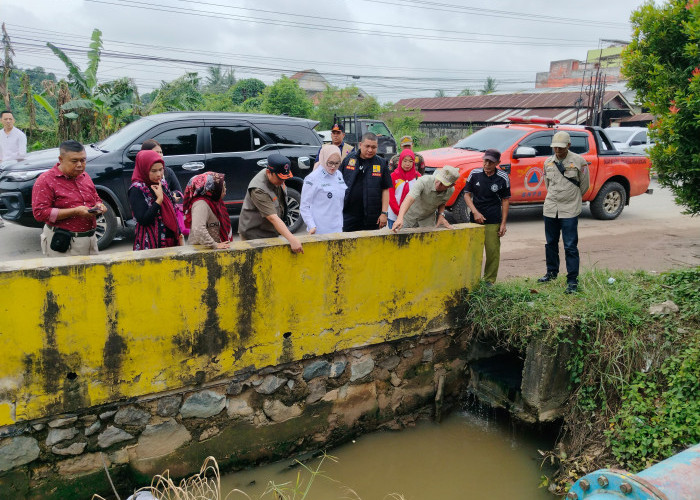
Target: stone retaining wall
<point>153,360</point>
<point>254,416</point>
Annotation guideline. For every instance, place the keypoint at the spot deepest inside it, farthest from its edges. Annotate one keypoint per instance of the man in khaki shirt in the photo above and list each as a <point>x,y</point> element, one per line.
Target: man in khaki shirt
<point>427,198</point>
<point>264,206</point>
<point>567,180</point>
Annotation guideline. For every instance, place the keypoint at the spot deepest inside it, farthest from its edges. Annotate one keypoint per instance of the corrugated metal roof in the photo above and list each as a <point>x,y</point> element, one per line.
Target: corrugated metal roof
<point>641,117</point>
<point>514,101</point>
<point>564,115</point>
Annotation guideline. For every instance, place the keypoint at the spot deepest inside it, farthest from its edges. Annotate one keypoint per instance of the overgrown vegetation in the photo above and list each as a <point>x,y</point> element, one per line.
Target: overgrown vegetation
<point>634,377</point>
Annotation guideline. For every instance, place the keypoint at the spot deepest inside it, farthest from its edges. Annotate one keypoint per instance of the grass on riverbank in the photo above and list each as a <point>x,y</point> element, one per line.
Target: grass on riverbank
<point>634,377</point>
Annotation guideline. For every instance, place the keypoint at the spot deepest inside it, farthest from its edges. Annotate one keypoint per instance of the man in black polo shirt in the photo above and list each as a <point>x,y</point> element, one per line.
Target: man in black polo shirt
<point>368,180</point>
<point>487,193</point>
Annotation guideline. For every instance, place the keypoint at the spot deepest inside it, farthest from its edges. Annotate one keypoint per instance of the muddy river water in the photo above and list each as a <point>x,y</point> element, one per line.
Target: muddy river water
<point>464,457</point>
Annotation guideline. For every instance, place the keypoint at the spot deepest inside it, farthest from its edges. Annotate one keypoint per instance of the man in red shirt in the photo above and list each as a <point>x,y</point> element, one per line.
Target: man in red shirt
<point>65,200</point>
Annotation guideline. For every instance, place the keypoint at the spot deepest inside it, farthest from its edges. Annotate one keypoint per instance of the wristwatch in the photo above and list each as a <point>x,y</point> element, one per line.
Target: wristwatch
<point>441,214</point>
<point>385,213</point>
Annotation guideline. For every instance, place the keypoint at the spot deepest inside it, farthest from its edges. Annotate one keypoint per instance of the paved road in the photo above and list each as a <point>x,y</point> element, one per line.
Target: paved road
<point>651,234</point>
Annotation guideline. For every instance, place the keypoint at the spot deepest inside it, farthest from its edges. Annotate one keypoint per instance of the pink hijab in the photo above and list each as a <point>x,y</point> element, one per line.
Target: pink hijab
<point>142,165</point>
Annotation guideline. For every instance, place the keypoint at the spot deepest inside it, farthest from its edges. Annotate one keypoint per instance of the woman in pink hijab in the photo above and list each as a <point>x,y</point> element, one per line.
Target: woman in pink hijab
<point>152,204</point>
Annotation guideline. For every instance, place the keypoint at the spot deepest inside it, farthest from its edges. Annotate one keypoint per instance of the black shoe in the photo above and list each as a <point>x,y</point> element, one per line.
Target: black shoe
<point>547,278</point>
<point>571,288</point>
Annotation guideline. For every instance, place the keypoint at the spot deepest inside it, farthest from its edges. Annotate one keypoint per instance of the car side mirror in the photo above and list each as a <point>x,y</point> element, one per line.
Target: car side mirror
<point>133,151</point>
<point>304,162</point>
<point>636,143</point>
<point>525,152</point>
<point>505,167</point>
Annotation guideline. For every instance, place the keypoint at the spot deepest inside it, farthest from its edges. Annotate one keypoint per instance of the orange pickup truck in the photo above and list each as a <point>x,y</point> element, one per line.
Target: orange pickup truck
<point>524,144</point>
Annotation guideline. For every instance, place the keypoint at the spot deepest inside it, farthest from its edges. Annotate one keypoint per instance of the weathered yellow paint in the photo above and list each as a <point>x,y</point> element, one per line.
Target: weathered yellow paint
<point>82,331</point>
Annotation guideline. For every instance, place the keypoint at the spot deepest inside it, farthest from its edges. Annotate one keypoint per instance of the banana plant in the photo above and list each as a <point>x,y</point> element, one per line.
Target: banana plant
<point>103,106</point>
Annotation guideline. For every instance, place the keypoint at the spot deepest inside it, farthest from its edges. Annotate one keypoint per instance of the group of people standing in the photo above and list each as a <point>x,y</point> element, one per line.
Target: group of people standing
<point>65,199</point>
<point>349,190</point>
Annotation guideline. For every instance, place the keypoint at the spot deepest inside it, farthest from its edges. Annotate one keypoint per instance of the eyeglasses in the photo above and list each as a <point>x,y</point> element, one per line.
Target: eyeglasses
<point>333,163</point>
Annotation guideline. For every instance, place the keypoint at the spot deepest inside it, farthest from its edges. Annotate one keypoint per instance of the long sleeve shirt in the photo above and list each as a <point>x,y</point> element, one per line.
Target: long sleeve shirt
<point>53,191</point>
<point>205,226</point>
<point>322,199</point>
<point>13,146</point>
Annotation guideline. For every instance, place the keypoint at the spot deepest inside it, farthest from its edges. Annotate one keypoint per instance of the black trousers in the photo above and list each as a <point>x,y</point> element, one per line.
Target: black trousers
<point>568,228</point>
<point>359,223</point>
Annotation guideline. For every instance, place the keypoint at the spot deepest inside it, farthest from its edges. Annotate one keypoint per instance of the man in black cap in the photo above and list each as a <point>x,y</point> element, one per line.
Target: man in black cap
<point>487,193</point>
<point>337,139</point>
<point>368,180</point>
<point>265,204</point>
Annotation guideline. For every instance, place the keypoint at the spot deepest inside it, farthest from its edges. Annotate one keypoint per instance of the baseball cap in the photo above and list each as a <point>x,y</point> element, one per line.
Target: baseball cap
<point>338,126</point>
<point>278,164</point>
<point>448,175</point>
<point>406,140</point>
<point>492,154</point>
<point>561,140</point>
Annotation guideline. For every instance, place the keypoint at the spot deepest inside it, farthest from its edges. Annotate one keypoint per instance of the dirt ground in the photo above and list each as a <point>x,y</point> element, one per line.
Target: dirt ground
<point>651,234</point>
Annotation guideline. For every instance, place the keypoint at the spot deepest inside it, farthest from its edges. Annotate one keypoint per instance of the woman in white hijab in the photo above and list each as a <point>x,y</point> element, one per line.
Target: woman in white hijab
<point>323,194</point>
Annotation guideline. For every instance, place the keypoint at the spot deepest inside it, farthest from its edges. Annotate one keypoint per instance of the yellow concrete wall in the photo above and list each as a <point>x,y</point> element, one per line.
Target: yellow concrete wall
<point>83,331</point>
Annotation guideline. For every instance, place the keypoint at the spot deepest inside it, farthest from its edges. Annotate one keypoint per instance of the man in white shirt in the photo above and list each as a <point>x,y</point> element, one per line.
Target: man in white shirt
<point>13,142</point>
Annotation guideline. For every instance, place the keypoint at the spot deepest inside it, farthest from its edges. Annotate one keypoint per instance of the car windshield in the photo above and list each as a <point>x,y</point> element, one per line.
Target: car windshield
<point>491,138</point>
<point>619,135</point>
<point>126,136</point>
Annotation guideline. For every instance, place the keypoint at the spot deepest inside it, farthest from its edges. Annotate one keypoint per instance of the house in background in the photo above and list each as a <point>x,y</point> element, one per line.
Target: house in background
<point>572,72</point>
<point>313,83</point>
<point>457,117</point>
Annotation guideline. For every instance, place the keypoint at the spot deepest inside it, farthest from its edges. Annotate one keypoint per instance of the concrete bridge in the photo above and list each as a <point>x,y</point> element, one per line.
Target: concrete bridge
<point>154,360</point>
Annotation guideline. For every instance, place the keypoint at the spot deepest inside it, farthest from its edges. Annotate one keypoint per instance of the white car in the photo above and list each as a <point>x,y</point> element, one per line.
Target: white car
<point>325,136</point>
<point>630,139</point>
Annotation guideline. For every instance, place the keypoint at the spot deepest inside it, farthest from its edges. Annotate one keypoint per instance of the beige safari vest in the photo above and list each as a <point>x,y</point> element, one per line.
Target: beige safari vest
<point>251,224</point>
<point>563,196</point>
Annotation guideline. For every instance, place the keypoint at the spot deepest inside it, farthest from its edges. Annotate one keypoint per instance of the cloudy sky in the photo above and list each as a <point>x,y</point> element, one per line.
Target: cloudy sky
<point>391,48</point>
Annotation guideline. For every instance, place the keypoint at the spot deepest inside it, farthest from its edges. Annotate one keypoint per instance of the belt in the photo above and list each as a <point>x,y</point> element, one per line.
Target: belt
<point>75,234</point>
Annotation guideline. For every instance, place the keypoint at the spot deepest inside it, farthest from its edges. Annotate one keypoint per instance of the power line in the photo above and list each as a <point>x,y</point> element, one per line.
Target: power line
<point>355,31</point>
<point>228,55</point>
<point>521,16</point>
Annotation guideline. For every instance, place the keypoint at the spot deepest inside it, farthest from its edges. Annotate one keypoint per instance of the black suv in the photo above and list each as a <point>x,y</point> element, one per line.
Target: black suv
<point>234,144</point>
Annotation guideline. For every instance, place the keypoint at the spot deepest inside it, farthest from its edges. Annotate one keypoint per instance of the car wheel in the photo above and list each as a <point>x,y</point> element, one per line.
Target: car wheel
<point>609,202</point>
<point>293,220</point>
<point>106,227</point>
<point>458,213</point>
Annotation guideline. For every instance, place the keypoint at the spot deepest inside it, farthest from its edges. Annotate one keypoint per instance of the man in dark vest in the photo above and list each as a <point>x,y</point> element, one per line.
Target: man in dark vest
<point>265,204</point>
<point>368,179</point>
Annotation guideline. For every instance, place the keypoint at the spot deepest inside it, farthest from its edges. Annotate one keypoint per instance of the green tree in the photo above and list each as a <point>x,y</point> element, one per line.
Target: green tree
<point>346,101</point>
<point>662,64</point>
<point>440,93</point>
<point>490,86</point>
<point>219,80</point>
<point>246,89</point>
<point>466,91</point>
<point>181,94</point>
<point>99,109</point>
<point>403,121</point>
<point>253,105</point>
<point>7,65</point>
<point>286,97</point>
